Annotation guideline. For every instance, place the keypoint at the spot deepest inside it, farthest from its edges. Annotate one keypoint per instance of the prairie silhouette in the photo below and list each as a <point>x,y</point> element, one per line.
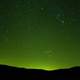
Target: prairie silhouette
<point>15,73</point>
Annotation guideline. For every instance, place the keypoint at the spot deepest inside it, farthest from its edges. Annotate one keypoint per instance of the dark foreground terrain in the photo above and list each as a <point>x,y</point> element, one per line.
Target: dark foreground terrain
<point>14,73</point>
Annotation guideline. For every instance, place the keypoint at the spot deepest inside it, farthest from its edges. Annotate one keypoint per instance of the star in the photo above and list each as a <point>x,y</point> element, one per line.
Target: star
<point>42,9</point>
<point>7,31</point>
<point>62,21</point>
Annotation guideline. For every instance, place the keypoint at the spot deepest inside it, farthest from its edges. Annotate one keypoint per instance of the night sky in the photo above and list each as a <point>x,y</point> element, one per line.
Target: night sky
<point>41,34</point>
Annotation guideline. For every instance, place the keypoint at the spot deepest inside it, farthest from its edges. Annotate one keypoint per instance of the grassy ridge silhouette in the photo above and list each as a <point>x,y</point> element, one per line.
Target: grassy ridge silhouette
<point>10,73</point>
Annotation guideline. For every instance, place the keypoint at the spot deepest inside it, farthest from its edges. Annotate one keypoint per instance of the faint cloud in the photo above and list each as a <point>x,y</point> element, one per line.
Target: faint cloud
<point>52,51</point>
<point>48,51</point>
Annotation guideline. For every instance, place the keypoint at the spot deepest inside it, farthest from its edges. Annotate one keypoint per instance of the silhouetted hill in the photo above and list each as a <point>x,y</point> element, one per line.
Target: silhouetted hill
<point>14,73</point>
